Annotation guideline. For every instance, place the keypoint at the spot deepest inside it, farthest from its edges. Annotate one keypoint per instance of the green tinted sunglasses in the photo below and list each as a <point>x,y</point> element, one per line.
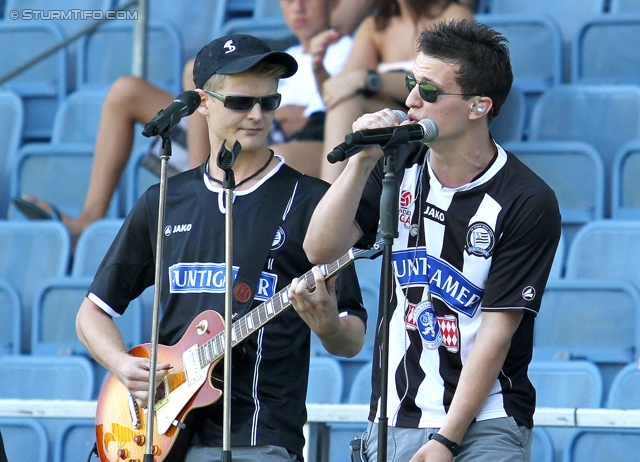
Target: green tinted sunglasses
<point>428,92</point>
<point>246,103</point>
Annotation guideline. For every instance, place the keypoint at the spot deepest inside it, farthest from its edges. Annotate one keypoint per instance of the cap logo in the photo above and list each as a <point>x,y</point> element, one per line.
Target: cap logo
<point>230,47</point>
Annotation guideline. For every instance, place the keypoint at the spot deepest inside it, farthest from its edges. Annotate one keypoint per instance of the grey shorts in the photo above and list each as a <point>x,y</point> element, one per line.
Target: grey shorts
<point>494,440</point>
<point>241,454</point>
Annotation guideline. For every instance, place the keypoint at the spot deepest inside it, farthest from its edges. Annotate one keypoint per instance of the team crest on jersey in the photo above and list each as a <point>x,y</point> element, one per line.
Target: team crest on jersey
<point>434,330</point>
<point>404,212</point>
<point>480,240</point>
<point>278,239</point>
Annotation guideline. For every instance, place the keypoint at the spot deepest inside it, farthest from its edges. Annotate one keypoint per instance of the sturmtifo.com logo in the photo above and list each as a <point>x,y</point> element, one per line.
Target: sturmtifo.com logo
<point>72,15</point>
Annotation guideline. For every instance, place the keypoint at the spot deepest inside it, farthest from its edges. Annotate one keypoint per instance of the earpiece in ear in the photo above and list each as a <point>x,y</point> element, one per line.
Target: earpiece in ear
<point>478,108</point>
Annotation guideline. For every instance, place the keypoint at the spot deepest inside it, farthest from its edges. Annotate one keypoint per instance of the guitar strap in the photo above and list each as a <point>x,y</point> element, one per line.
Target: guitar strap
<point>255,252</point>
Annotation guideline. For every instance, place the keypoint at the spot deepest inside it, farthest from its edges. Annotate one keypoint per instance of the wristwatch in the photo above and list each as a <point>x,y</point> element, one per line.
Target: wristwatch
<point>453,447</point>
<point>372,83</point>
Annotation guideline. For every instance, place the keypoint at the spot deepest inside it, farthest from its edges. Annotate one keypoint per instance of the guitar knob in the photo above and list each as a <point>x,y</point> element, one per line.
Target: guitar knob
<point>139,440</point>
<point>155,450</point>
<point>123,453</point>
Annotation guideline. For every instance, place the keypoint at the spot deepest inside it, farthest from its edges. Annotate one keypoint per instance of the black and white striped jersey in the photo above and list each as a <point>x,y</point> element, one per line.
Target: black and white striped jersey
<point>271,367</point>
<point>485,246</point>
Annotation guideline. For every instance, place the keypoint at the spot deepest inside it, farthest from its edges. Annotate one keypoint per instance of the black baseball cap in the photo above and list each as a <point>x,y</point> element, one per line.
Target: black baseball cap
<point>236,53</point>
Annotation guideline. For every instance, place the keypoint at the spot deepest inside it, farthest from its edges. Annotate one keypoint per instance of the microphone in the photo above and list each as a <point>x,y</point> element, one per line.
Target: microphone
<point>184,105</point>
<point>426,131</point>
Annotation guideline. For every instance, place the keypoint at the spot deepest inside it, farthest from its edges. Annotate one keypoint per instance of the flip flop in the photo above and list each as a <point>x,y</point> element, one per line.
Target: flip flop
<point>31,210</point>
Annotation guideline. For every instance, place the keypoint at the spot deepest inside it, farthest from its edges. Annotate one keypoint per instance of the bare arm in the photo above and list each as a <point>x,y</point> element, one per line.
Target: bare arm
<point>340,335</point>
<point>479,374</point>
<point>99,334</point>
<point>350,80</point>
<point>348,14</point>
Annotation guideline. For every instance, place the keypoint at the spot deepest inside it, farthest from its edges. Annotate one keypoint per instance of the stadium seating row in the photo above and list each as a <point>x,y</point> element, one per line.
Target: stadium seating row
<point>559,384</point>
<point>603,45</point>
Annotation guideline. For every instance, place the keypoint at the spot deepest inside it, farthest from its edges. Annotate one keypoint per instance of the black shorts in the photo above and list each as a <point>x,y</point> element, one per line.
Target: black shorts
<point>313,130</point>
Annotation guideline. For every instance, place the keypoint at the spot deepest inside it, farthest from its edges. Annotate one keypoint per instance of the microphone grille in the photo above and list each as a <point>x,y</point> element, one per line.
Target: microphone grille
<point>401,116</point>
<point>430,130</point>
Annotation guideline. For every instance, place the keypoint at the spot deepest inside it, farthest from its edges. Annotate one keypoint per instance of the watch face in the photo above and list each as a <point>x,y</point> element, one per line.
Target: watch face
<point>373,82</point>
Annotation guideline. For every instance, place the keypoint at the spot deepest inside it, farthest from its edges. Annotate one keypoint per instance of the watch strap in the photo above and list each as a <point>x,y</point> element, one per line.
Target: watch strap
<point>453,447</point>
<point>370,89</point>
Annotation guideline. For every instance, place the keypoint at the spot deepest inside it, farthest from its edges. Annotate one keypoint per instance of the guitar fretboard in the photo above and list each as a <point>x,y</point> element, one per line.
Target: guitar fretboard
<point>213,349</point>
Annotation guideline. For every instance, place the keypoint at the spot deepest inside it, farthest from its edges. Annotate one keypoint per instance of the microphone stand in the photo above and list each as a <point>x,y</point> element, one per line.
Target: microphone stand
<point>225,161</point>
<point>164,159</point>
<point>388,231</point>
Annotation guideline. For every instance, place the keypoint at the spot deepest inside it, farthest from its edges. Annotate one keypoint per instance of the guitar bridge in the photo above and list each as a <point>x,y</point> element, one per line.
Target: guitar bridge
<point>133,411</point>
<point>191,362</point>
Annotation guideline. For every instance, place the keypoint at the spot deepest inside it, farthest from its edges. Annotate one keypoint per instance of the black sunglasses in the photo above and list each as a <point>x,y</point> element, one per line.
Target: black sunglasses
<point>246,103</point>
<point>428,92</point>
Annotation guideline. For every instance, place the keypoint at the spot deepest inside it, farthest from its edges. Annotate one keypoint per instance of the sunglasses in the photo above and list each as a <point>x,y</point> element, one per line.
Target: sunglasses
<point>428,92</point>
<point>246,103</point>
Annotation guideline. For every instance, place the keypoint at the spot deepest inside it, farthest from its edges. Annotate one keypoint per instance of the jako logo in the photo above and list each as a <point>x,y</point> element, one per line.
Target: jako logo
<point>177,229</point>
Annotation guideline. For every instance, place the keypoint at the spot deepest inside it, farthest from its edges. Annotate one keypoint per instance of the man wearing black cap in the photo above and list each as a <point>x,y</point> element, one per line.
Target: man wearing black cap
<point>237,77</point>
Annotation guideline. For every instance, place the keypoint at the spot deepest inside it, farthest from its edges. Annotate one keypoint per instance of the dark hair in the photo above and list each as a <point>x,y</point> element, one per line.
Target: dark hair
<point>481,52</point>
<point>386,9</point>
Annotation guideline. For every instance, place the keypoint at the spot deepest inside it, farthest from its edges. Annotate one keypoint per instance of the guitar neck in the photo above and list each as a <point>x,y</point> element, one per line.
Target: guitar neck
<point>213,349</point>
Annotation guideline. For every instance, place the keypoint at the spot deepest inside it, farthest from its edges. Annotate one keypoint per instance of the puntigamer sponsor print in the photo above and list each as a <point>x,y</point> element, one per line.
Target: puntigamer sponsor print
<point>210,278</point>
<point>444,281</point>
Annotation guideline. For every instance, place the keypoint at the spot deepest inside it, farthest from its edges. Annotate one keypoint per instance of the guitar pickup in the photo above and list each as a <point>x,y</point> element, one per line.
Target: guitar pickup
<point>191,362</point>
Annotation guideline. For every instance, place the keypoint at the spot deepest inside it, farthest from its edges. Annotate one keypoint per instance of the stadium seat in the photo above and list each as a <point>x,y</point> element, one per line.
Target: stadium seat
<point>591,114</point>
<point>624,392</point>
<point>535,47</point>
<point>11,121</point>
<point>574,170</point>
<point>569,14</point>
<point>73,24</point>
<point>599,444</point>
<point>542,449</point>
<point>606,51</point>
<point>92,246</point>
<point>54,317</point>
<point>624,6</point>
<point>58,173</point>
<point>509,125</point>
<point>606,249</point>
<point>43,86</point>
<point>325,380</point>
<point>74,441</point>
<point>625,188</point>
<point>360,391</point>
<point>11,315</point>
<point>566,384</point>
<point>25,439</point>
<point>266,22</point>
<point>106,54</point>
<point>571,323</point>
<point>77,118</point>
<point>368,272</point>
<point>557,268</point>
<point>199,21</point>
<point>30,253</point>
<point>46,377</point>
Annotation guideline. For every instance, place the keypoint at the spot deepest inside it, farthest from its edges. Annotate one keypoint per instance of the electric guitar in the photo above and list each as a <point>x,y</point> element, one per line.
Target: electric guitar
<point>121,422</point>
